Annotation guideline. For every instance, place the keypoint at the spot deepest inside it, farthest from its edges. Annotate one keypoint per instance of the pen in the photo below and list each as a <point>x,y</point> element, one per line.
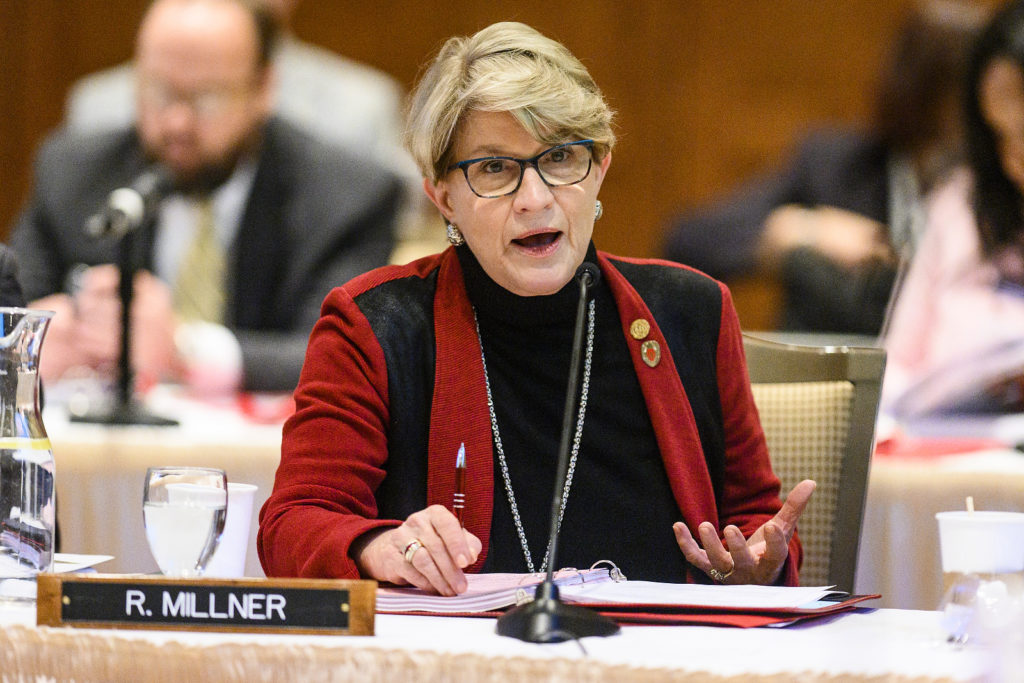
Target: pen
<point>459,499</point>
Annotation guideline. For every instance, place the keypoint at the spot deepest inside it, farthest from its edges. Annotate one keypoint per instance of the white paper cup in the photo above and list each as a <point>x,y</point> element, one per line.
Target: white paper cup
<point>187,493</point>
<point>981,542</point>
<point>228,560</point>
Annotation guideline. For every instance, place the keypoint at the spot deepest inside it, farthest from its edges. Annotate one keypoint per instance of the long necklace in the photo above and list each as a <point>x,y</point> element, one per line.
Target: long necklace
<point>575,442</point>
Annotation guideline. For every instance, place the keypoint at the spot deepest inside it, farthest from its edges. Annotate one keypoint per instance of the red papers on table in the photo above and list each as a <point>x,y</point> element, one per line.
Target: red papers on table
<point>646,602</point>
<point>740,617</point>
<point>902,446</point>
<point>628,602</point>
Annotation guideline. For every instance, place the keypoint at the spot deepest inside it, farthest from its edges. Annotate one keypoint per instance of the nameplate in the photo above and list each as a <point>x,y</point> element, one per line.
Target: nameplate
<point>329,606</point>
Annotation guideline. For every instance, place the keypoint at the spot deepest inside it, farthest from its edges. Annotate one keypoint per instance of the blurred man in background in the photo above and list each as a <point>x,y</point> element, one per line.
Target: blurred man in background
<point>10,288</point>
<point>261,221</point>
<point>343,101</point>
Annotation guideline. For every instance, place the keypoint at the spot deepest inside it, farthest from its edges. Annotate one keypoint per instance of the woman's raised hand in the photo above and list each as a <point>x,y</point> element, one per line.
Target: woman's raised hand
<point>757,559</point>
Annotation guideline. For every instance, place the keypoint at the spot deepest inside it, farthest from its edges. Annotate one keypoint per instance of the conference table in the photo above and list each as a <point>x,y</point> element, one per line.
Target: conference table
<point>865,645</point>
<point>100,473</point>
<point>899,545</point>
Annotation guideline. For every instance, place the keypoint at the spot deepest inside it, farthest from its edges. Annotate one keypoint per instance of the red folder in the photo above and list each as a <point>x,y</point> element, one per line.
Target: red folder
<point>697,615</point>
<point>740,617</point>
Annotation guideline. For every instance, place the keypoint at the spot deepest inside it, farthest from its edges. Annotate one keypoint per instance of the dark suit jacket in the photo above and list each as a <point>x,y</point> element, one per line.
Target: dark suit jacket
<point>10,288</point>
<point>842,169</point>
<point>314,219</point>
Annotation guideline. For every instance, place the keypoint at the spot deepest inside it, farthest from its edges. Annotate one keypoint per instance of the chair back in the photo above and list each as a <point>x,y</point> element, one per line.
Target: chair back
<point>818,406</point>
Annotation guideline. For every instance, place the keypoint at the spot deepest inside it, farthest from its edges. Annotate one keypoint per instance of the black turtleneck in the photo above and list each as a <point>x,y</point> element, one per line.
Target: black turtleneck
<point>620,506</point>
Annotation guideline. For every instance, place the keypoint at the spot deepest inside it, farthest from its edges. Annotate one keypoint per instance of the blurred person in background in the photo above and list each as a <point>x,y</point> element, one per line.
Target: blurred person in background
<point>339,99</point>
<point>261,220</point>
<point>834,224</point>
<point>957,331</point>
<point>10,288</point>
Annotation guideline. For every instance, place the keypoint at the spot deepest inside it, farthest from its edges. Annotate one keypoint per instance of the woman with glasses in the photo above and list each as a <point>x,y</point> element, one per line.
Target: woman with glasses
<point>467,353</point>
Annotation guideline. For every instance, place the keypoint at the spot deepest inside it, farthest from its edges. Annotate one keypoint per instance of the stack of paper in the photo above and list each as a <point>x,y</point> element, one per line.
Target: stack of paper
<point>695,595</point>
<point>643,602</point>
<point>486,592</point>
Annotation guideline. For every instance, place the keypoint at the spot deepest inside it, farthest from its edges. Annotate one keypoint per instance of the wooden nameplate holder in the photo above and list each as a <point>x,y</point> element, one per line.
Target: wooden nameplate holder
<point>325,606</point>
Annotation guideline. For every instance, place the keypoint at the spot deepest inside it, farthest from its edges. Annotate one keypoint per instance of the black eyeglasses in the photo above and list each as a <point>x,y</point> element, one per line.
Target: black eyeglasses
<point>560,165</point>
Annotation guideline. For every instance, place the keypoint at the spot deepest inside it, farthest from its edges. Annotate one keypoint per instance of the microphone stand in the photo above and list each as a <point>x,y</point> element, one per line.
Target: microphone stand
<point>126,410</point>
<point>546,619</point>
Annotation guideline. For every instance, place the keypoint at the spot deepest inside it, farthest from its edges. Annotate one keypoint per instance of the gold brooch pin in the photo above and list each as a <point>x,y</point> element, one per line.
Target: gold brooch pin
<point>639,329</point>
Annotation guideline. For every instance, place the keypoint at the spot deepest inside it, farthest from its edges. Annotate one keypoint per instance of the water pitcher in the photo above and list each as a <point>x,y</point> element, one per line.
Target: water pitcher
<point>27,514</point>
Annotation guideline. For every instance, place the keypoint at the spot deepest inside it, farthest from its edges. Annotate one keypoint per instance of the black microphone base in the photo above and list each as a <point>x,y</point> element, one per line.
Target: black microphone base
<point>130,413</point>
<point>547,619</point>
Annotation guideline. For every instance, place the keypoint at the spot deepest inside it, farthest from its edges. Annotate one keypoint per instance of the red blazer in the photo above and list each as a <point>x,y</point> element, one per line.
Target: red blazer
<point>335,447</point>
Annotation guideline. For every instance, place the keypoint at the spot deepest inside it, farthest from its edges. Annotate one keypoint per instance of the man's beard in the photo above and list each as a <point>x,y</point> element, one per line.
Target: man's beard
<point>206,178</point>
<point>211,175</point>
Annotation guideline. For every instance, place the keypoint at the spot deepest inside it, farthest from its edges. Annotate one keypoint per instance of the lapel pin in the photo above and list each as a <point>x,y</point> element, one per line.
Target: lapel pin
<point>639,329</point>
<point>650,351</point>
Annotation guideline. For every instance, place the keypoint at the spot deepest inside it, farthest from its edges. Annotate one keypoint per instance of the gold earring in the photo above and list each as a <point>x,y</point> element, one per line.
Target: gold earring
<point>598,210</point>
<point>455,237</point>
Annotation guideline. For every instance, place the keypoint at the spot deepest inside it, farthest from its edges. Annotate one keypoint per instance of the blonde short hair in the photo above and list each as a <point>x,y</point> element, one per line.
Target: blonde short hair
<point>510,67</point>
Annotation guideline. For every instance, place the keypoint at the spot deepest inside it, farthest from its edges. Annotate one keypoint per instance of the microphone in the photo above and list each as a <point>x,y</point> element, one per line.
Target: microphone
<point>588,275</point>
<point>546,619</point>
<point>127,208</point>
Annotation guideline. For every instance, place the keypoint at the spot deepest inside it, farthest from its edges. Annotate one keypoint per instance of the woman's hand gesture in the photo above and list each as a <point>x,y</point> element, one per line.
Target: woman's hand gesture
<point>757,559</point>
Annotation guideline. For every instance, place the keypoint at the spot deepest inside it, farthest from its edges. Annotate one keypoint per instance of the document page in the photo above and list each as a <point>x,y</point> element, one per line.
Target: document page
<point>694,595</point>
<point>486,592</point>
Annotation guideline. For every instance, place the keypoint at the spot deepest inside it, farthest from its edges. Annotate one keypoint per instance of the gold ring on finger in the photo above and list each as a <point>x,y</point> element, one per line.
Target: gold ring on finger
<point>719,576</point>
<point>410,550</point>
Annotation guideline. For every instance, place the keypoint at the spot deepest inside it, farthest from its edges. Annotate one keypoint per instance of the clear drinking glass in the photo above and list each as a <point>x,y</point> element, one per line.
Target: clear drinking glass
<point>184,509</point>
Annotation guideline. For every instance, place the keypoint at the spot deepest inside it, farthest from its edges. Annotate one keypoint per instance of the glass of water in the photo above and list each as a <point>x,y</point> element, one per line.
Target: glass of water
<point>184,510</point>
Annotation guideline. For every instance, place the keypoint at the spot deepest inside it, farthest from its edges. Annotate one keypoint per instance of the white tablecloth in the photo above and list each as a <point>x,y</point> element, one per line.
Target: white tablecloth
<point>100,474</point>
<point>899,546</point>
<point>871,645</point>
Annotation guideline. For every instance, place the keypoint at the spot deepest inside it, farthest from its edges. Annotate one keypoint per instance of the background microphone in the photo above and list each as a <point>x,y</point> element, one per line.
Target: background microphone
<point>127,208</point>
<point>546,619</point>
